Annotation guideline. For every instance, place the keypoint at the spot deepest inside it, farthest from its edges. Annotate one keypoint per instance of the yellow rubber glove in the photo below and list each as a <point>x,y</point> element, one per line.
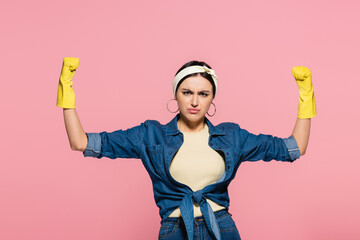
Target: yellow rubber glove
<point>307,106</point>
<point>66,94</point>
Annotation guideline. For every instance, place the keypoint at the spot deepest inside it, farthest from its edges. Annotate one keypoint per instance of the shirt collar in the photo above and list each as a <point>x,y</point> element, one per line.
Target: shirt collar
<point>172,128</point>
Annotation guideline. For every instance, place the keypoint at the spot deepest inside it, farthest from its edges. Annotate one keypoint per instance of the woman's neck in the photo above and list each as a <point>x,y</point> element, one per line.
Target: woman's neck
<point>190,126</point>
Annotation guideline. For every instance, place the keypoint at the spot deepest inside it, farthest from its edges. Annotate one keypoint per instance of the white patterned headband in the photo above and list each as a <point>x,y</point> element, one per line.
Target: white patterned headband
<point>190,70</point>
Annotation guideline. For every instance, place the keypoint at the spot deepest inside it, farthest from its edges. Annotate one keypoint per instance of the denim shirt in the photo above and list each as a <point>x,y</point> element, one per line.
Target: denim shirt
<point>156,144</point>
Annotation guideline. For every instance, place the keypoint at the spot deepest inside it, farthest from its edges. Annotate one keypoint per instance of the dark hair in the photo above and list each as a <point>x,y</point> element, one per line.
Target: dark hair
<point>203,74</point>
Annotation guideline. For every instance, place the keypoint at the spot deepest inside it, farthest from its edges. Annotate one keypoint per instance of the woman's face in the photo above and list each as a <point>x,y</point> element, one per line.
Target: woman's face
<point>194,97</point>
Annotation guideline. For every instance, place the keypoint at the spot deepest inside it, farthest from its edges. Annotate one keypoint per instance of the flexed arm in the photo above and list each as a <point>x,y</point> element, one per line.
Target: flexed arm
<point>66,99</point>
<point>306,107</point>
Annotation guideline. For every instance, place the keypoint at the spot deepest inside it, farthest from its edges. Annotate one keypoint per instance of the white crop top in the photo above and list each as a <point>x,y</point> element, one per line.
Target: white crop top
<point>197,165</point>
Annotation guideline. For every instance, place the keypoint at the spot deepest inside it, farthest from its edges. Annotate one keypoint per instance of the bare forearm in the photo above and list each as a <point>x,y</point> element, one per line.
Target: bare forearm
<point>77,137</point>
<point>301,133</point>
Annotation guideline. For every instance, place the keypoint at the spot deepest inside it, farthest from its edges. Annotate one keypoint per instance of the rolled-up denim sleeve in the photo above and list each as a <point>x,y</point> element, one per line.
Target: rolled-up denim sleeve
<point>267,147</point>
<point>116,144</point>
<point>93,147</point>
<point>292,147</point>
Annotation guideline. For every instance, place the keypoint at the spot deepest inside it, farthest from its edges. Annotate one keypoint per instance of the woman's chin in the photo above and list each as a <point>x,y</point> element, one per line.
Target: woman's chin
<point>193,116</point>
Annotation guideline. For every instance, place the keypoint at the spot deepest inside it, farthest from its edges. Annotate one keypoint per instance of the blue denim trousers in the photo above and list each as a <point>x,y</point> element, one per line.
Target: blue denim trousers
<point>173,228</point>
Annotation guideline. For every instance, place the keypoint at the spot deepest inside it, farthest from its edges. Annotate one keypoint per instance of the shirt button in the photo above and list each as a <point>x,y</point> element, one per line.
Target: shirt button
<point>227,153</point>
<point>211,144</point>
<point>228,167</point>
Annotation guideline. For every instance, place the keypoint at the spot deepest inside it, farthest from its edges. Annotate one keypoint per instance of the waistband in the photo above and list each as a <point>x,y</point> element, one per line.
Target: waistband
<point>179,220</point>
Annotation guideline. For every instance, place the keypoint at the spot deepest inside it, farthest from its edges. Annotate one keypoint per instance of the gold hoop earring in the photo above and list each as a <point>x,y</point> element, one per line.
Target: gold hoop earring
<point>214,110</point>
<point>167,106</point>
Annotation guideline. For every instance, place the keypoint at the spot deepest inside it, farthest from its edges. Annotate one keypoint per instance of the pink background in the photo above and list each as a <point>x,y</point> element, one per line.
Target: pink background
<point>129,52</point>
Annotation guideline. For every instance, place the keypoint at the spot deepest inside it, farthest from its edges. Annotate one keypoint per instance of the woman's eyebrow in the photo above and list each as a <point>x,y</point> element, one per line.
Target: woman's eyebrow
<point>185,89</point>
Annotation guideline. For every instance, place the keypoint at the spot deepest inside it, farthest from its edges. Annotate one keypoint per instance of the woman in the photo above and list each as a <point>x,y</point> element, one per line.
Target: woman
<point>190,161</point>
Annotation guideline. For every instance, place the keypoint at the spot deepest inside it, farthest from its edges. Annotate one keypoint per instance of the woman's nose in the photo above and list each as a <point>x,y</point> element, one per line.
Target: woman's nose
<point>194,101</point>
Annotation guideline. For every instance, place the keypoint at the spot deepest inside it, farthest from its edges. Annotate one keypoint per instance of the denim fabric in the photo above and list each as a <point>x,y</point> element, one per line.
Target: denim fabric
<point>93,147</point>
<point>174,228</point>
<point>292,147</point>
<point>156,144</point>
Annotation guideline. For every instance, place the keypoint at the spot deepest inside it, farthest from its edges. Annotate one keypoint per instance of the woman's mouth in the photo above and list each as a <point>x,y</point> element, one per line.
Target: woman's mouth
<point>193,110</point>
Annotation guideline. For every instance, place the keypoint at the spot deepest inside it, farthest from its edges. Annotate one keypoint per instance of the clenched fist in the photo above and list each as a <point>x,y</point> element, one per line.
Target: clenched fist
<point>307,106</point>
<point>300,72</point>
<point>70,63</point>
<point>66,94</point>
